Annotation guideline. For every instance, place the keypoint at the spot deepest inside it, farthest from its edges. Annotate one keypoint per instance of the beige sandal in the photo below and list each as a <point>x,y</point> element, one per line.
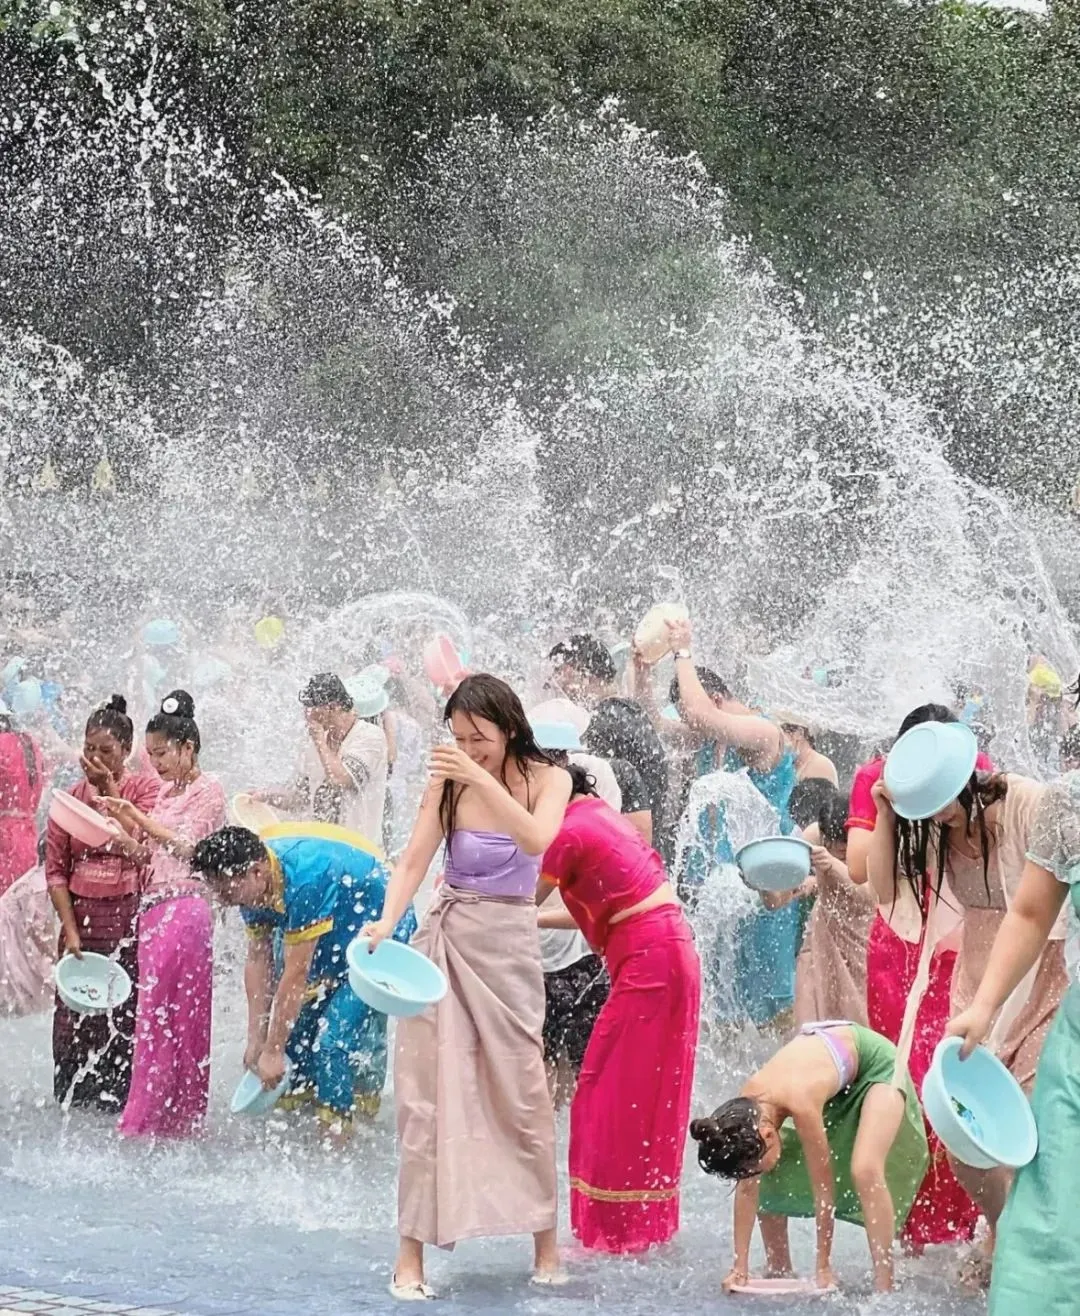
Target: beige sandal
<point>415,1292</point>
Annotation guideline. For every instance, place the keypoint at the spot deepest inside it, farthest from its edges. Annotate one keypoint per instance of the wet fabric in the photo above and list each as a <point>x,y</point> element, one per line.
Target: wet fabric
<point>574,997</point>
<point>1054,844</point>
<point>830,973</point>
<point>92,1053</point>
<point>171,1066</point>
<point>1037,1257</point>
<point>942,1211</point>
<point>21,782</point>
<point>28,949</point>
<point>338,1052</point>
<point>766,941</point>
<point>621,729</point>
<point>490,863</point>
<point>984,899</point>
<point>787,1190</point>
<point>1038,1247</point>
<point>633,793</point>
<point>631,1107</point>
<point>93,871</point>
<point>327,891</point>
<point>170,1079</point>
<point>475,1123</point>
<point>602,866</point>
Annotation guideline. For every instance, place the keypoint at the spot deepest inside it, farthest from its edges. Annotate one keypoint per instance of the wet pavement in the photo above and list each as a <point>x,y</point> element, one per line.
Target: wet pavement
<point>255,1219</point>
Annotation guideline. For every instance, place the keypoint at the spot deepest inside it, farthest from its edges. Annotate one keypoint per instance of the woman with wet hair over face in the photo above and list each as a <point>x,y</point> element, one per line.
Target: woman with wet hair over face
<point>970,855</point>
<point>95,892</point>
<point>943,1211</point>
<point>171,1067</point>
<point>473,1168</point>
<point>830,1129</point>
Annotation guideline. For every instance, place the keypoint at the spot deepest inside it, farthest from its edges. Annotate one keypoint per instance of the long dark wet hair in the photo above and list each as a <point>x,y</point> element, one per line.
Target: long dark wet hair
<point>483,695</point>
<point>915,838</point>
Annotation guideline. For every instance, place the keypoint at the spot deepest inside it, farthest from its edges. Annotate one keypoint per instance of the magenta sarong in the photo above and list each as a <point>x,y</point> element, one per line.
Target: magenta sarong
<point>631,1109</point>
<point>170,1077</point>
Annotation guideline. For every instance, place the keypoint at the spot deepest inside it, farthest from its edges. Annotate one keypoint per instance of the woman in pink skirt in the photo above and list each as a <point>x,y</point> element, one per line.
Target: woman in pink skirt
<point>631,1108</point>
<point>170,1078</point>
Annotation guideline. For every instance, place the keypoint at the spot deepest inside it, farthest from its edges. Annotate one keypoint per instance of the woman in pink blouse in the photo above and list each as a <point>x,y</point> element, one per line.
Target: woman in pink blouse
<point>95,892</point>
<point>170,1079</point>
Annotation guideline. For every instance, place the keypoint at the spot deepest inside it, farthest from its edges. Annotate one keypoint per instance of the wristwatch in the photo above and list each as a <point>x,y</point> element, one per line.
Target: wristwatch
<point>682,653</point>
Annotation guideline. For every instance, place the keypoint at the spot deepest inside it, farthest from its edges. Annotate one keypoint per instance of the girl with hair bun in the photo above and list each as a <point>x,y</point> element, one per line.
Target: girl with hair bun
<point>171,1071</point>
<point>829,1128</point>
<point>95,892</point>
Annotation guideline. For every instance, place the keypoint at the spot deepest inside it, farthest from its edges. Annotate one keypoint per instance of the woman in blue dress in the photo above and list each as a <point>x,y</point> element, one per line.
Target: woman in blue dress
<point>738,739</point>
<point>311,895</point>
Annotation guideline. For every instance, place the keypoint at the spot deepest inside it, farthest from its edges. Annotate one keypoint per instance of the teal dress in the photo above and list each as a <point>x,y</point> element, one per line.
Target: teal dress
<point>337,1048</point>
<point>766,941</point>
<point>1037,1258</point>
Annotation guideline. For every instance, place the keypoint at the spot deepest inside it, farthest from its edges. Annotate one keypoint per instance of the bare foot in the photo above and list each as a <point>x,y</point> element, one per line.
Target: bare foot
<point>547,1266</point>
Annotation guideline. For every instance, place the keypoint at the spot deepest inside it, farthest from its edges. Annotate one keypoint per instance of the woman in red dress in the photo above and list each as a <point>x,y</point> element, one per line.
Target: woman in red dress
<point>631,1107</point>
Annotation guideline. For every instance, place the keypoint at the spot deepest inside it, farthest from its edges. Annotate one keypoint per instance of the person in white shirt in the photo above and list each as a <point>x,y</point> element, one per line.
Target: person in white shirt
<point>343,771</point>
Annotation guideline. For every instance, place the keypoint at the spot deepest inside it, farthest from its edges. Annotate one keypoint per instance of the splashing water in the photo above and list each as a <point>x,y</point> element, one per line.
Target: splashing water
<point>307,435</point>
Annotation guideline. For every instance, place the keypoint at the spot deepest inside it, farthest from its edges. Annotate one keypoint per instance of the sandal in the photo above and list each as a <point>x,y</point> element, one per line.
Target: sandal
<point>418,1291</point>
<point>553,1279</point>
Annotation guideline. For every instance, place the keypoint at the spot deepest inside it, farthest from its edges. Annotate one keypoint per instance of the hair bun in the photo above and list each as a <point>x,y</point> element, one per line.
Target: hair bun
<point>117,703</point>
<point>700,1129</point>
<point>178,704</point>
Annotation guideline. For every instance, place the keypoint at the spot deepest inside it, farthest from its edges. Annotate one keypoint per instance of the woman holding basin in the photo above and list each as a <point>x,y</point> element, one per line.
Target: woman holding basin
<point>958,836</point>
<point>475,1123</point>
<point>1038,1251</point>
<point>95,892</point>
<point>311,1028</point>
<point>170,1076</point>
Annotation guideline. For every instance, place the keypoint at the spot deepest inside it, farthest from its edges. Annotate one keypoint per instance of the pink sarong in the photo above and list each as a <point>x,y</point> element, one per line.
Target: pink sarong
<point>475,1122</point>
<point>28,929</point>
<point>631,1109</point>
<point>170,1077</point>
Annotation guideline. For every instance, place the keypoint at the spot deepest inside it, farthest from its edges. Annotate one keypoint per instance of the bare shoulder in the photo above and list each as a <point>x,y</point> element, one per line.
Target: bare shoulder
<point>549,779</point>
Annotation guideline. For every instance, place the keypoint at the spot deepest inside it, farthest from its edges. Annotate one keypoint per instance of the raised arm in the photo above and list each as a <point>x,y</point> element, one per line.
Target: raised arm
<point>881,853</point>
<point>532,832</point>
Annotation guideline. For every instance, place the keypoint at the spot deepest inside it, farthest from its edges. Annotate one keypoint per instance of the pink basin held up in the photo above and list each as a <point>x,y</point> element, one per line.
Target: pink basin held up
<point>81,821</point>
<point>443,665</point>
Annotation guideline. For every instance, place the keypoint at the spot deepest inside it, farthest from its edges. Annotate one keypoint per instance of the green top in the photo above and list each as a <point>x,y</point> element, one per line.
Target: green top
<point>787,1191</point>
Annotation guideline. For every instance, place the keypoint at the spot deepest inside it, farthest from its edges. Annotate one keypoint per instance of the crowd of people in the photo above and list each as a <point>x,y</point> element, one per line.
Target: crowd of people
<point>550,863</point>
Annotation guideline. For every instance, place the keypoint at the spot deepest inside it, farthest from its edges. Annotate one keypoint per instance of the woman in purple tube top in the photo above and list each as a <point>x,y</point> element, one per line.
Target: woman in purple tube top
<point>475,1121</point>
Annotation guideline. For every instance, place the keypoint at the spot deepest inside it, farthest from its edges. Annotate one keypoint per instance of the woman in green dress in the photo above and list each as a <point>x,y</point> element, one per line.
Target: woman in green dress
<point>830,1129</point>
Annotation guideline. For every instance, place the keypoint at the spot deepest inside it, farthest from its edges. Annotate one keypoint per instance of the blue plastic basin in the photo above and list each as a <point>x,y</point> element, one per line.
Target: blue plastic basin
<point>775,863</point>
<point>93,985</point>
<point>251,1098</point>
<point>394,978</point>
<point>978,1109</point>
<point>929,766</point>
